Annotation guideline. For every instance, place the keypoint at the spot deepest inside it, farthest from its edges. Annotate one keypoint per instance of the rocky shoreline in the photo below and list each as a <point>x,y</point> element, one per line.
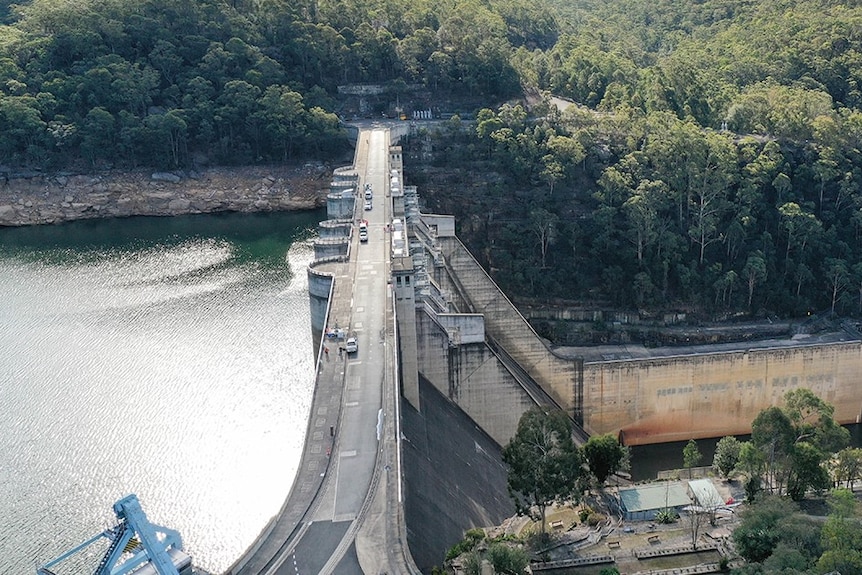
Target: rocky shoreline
<point>35,198</point>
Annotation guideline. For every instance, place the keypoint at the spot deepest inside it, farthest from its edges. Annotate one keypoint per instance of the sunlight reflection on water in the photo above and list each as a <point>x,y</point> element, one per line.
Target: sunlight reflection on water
<point>181,373</point>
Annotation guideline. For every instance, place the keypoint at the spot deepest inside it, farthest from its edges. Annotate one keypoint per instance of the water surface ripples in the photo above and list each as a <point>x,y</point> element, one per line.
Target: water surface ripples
<point>180,370</point>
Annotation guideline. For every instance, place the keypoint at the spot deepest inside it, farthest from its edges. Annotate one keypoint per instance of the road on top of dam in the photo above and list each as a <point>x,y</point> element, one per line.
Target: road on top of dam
<point>344,513</point>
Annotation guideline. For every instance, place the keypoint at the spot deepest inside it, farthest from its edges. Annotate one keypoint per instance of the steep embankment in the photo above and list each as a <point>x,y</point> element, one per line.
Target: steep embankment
<point>35,198</point>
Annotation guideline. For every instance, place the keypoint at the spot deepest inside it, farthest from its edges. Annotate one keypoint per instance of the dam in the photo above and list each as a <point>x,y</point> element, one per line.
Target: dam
<point>403,440</point>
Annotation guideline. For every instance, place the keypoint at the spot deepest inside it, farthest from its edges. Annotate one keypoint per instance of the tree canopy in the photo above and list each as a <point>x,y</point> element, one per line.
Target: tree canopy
<point>710,159</point>
<point>544,463</point>
<point>605,456</point>
<point>155,81</point>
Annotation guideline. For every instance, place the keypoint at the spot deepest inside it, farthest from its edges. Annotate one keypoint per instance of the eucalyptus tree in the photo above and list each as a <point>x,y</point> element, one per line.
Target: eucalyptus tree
<point>691,455</point>
<point>841,536</point>
<point>544,463</point>
<point>726,457</point>
<point>794,443</point>
<point>754,272</point>
<point>605,455</point>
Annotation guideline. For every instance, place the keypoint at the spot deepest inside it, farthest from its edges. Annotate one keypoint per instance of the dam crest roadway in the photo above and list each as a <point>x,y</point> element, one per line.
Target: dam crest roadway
<point>344,512</point>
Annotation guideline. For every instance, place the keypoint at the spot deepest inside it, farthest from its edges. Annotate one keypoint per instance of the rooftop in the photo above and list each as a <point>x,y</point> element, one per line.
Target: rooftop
<point>654,496</point>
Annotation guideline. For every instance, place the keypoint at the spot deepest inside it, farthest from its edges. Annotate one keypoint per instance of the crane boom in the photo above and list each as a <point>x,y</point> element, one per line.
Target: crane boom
<point>137,546</point>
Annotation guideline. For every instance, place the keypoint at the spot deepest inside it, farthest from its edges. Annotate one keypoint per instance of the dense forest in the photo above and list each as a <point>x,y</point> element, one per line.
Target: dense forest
<point>154,82</point>
<point>710,162</point>
<point>710,165</point>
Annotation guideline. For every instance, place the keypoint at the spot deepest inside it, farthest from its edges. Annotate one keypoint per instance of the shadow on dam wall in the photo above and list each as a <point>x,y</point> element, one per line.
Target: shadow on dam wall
<point>453,474</point>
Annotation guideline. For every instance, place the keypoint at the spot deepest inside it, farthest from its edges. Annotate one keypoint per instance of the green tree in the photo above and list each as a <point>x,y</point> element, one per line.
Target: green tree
<point>168,133</point>
<point>799,226</point>
<point>544,225</point>
<point>282,114</point>
<point>544,464</point>
<point>714,161</point>
<point>23,130</point>
<point>726,455</point>
<point>771,522</point>
<point>642,211</point>
<point>97,134</point>
<point>507,558</point>
<point>773,435</point>
<point>806,471</point>
<point>786,559</point>
<point>847,466</point>
<point>754,272</point>
<point>837,276</point>
<point>795,441</point>
<point>605,456</point>
<point>691,455</point>
<point>841,536</point>
<point>814,422</point>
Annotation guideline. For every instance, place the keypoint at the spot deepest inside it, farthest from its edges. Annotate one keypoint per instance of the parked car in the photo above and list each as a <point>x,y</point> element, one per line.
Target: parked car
<point>351,346</point>
<point>368,205</point>
<point>363,235</point>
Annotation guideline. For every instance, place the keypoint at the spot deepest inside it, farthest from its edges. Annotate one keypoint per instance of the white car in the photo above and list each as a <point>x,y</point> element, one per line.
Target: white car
<point>363,235</point>
<point>351,346</point>
<point>367,205</point>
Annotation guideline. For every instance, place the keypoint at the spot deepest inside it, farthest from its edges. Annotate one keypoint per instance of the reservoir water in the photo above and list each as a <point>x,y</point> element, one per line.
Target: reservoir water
<point>167,357</point>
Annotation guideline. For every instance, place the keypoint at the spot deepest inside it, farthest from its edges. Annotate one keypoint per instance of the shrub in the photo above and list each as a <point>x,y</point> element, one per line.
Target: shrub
<point>666,516</point>
<point>594,519</point>
<point>471,538</point>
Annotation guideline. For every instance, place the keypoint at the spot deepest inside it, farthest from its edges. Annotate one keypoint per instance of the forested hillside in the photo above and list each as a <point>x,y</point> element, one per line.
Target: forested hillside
<point>712,164</point>
<point>153,82</point>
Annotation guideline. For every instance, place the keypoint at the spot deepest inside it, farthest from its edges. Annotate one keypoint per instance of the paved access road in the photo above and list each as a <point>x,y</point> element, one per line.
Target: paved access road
<point>354,523</point>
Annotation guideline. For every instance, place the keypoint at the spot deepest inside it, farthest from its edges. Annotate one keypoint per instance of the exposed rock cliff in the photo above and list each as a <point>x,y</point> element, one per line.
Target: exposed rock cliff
<point>27,199</point>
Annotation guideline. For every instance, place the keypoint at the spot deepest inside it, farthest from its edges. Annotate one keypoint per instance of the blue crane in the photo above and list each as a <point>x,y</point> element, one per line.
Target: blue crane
<point>137,547</point>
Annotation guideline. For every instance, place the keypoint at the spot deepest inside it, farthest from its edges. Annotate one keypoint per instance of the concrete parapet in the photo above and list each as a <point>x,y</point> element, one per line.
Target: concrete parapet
<point>671,551</point>
<point>340,205</point>
<point>569,563</point>
<point>345,173</point>
<point>334,229</point>
<point>331,247</point>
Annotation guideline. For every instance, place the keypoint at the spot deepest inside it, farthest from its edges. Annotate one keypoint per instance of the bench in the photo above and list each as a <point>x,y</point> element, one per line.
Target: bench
<point>556,524</point>
<point>653,538</point>
<point>613,544</point>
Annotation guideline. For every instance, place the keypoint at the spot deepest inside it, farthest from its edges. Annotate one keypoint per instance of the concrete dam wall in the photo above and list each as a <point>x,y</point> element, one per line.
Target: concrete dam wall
<point>469,375</point>
<point>477,292</point>
<point>712,395</point>
<point>646,400</point>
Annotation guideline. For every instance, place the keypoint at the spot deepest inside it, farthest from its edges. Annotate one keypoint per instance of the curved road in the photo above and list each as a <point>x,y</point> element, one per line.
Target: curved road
<point>344,513</point>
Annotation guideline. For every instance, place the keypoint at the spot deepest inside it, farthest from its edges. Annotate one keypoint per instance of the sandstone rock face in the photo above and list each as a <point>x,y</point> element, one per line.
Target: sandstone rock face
<point>28,199</point>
